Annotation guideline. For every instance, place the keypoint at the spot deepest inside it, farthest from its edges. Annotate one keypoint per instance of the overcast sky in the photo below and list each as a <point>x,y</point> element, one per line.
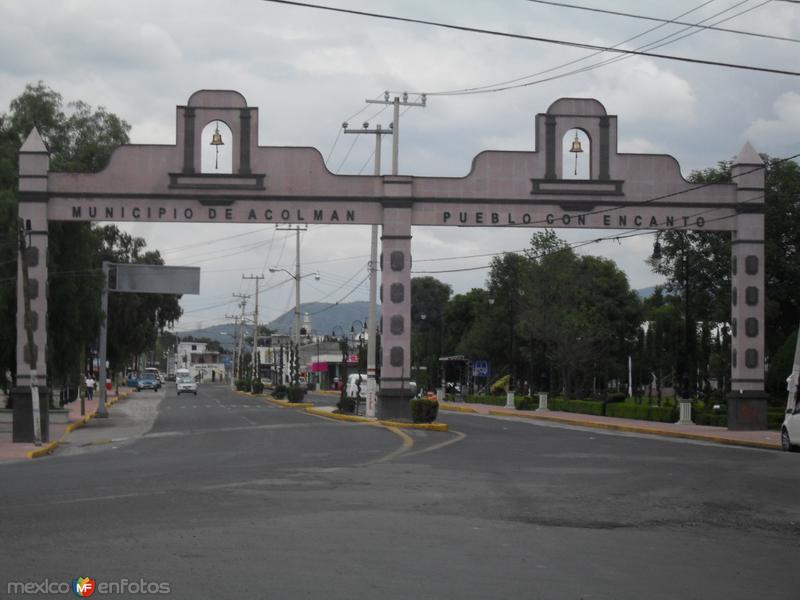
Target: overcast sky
<point>309,70</point>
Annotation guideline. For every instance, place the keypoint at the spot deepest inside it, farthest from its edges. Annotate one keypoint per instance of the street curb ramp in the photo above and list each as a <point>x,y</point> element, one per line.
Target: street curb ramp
<point>82,422</point>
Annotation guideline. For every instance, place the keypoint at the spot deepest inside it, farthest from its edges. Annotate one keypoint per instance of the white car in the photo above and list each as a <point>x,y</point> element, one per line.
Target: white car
<point>790,430</point>
<point>186,385</point>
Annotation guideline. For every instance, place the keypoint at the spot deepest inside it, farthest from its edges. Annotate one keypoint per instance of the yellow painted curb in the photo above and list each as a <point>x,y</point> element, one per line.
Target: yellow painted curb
<point>425,426</point>
<point>338,416</point>
<point>456,408</point>
<point>287,404</point>
<point>51,447</point>
<point>645,430</point>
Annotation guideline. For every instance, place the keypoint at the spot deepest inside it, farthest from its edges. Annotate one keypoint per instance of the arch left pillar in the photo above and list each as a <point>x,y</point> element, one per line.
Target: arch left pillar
<point>395,392</point>
<point>34,163</point>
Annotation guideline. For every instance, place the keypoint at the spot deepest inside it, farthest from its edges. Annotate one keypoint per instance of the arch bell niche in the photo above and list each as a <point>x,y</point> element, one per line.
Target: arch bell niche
<point>206,107</point>
<point>286,185</point>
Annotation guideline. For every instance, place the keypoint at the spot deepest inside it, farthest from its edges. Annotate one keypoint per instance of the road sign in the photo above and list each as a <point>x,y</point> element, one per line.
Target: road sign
<point>156,279</point>
<point>481,368</point>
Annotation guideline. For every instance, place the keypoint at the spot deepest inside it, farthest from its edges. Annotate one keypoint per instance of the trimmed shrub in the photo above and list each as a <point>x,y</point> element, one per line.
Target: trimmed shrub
<point>526,403</point>
<point>258,387</point>
<point>279,393</point>
<point>714,420</point>
<point>643,412</point>
<point>424,410</point>
<point>616,397</point>
<point>585,407</point>
<point>775,418</point>
<point>346,405</point>
<point>484,399</point>
<point>243,385</point>
<point>296,393</point>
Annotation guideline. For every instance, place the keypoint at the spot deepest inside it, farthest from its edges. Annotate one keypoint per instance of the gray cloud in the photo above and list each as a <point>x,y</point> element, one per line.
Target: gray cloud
<point>307,71</point>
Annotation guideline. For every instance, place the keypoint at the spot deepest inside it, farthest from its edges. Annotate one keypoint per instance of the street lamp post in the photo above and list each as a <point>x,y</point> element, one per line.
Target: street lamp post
<point>296,334</point>
<point>687,390</point>
<point>343,371</point>
<point>360,349</point>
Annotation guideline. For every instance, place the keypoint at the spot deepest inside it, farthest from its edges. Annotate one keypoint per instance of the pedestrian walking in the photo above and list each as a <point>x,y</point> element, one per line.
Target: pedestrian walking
<point>90,383</point>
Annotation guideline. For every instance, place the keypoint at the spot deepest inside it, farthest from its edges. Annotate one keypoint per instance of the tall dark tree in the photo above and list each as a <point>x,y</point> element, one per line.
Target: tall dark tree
<point>79,138</point>
<point>708,257</point>
<point>429,297</point>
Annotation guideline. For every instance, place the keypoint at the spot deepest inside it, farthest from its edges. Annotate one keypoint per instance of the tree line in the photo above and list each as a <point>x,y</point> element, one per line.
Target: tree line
<point>80,139</point>
<point>553,320</point>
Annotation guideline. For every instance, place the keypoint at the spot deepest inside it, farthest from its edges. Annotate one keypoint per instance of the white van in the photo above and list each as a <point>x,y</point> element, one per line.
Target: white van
<point>352,385</point>
<point>156,373</point>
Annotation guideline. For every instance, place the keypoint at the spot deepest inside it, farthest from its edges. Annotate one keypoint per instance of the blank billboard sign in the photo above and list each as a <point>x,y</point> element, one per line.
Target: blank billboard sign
<point>155,279</point>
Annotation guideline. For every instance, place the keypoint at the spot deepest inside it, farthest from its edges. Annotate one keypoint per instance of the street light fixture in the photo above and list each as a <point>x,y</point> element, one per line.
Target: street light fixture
<point>297,277</point>
<point>686,385</point>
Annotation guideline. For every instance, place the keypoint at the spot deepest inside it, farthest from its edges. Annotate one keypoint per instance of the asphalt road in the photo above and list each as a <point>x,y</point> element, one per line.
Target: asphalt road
<point>230,497</point>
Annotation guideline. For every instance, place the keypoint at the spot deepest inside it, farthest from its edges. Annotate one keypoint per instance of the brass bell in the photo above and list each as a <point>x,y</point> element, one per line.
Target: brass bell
<point>216,138</point>
<point>576,144</point>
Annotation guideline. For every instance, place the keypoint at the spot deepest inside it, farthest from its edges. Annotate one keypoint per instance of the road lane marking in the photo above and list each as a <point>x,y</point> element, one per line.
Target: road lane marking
<point>408,443</point>
<point>459,436</point>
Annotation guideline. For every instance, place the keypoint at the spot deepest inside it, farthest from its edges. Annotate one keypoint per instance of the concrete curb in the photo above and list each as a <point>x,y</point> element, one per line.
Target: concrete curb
<point>457,408</point>
<point>385,423</point>
<point>82,422</point>
<point>636,429</point>
<point>287,404</point>
<point>339,417</point>
<point>443,427</point>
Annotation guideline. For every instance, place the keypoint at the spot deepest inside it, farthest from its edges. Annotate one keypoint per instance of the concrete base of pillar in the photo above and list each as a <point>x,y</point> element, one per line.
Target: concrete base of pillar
<point>510,400</point>
<point>22,429</point>
<point>394,403</point>
<point>747,411</point>
<point>685,417</point>
<point>542,401</point>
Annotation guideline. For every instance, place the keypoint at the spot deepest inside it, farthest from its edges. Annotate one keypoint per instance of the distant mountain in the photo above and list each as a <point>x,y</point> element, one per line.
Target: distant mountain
<point>324,317</point>
<point>645,293</point>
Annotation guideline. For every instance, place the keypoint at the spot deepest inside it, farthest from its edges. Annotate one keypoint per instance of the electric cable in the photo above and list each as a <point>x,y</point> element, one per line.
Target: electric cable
<point>559,42</point>
<point>648,18</point>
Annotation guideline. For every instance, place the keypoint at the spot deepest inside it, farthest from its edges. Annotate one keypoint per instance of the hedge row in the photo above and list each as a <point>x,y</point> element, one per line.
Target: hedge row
<point>643,412</point>
<point>584,407</point>
<point>487,399</point>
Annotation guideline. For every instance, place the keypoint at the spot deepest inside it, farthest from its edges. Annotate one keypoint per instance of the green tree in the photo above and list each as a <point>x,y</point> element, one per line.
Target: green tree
<point>429,297</point>
<point>708,257</point>
<point>79,138</point>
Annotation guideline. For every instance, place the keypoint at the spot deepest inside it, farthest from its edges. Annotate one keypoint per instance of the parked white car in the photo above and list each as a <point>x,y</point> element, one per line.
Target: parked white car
<point>790,430</point>
<point>186,385</point>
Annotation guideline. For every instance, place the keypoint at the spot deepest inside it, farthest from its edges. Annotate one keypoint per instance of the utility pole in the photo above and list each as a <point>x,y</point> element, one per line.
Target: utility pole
<point>297,317</point>
<point>397,102</point>
<point>240,334</point>
<point>257,278</point>
<point>372,338</point>
<point>237,340</point>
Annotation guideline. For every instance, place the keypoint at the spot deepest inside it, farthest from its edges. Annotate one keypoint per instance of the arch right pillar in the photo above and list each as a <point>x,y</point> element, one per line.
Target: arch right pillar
<point>747,401</point>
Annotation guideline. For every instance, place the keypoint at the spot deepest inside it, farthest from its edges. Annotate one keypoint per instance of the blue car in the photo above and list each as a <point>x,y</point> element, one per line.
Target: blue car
<point>148,382</point>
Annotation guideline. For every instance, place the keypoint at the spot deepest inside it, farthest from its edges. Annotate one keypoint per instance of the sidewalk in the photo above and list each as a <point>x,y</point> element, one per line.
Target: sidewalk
<point>58,431</point>
<point>770,440</point>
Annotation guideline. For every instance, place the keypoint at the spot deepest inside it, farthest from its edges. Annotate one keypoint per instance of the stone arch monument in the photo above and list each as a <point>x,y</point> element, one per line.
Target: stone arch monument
<point>268,184</point>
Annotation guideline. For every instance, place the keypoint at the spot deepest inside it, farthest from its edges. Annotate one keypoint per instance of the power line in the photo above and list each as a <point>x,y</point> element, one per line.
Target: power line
<point>663,41</point>
<point>659,20</point>
<point>544,40</point>
<point>508,83</point>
